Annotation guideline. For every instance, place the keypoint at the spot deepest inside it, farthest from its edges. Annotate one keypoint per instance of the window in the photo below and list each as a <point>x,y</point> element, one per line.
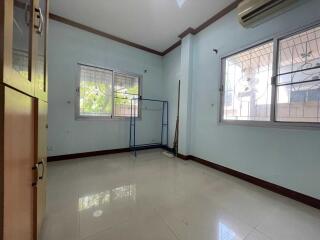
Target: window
<point>95,92</point>
<point>298,80</point>
<point>103,93</point>
<point>126,87</point>
<point>255,88</point>
<point>247,84</point>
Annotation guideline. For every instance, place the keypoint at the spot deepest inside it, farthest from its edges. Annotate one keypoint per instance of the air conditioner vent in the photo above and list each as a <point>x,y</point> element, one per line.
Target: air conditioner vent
<point>251,12</point>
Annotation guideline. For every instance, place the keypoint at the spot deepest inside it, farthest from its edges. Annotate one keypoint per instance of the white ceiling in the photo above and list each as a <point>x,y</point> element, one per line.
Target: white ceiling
<point>155,24</point>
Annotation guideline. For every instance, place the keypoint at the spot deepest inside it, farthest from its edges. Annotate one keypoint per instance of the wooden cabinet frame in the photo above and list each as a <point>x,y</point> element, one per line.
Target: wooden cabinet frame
<point>9,76</point>
<point>39,93</point>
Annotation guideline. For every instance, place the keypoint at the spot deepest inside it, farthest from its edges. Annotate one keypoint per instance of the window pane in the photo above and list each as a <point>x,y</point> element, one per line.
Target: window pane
<point>299,102</point>
<point>298,83</point>
<point>126,88</point>
<point>299,52</point>
<point>95,91</point>
<point>247,91</point>
<point>299,77</point>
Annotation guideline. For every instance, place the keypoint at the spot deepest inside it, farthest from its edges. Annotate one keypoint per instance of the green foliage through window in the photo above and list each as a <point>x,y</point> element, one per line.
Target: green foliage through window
<point>101,95</point>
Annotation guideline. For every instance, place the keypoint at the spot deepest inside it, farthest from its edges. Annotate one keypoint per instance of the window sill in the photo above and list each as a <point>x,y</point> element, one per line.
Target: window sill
<point>266,124</point>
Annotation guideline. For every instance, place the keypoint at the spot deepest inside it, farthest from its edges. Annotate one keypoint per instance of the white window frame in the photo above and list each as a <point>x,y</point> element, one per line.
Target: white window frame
<point>78,116</point>
<point>273,122</point>
<point>222,88</point>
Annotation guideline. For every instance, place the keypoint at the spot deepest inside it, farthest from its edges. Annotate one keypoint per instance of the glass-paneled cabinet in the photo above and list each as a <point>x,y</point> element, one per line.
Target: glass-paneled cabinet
<point>22,11</point>
<point>23,117</point>
<point>25,45</point>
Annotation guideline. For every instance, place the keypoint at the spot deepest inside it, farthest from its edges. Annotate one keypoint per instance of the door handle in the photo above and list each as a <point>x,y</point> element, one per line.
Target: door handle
<point>35,168</point>
<point>39,27</point>
<point>42,172</point>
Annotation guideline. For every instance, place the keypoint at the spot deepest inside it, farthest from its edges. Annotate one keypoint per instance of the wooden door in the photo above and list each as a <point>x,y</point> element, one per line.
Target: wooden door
<point>18,23</point>
<point>40,76</point>
<point>42,132</point>
<point>19,194</point>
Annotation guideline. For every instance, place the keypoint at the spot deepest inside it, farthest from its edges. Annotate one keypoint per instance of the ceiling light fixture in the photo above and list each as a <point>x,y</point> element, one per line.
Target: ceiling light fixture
<point>180,3</point>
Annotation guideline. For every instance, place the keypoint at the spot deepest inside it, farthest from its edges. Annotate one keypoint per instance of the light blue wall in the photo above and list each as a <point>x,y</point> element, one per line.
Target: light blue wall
<point>171,77</point>
<point>287,157</point>
<point>290,158</point>
<point>67,47</point>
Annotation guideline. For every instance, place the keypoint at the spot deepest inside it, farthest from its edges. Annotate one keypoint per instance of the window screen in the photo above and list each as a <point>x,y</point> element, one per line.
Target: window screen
<point>95,92</point>
<point>126,88</point>
<point>247,84</point>
<point>298,80</point>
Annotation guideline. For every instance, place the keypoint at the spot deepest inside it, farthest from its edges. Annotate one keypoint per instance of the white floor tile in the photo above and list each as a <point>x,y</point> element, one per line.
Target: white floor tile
<point>153,197</point>
<point>292,221</point>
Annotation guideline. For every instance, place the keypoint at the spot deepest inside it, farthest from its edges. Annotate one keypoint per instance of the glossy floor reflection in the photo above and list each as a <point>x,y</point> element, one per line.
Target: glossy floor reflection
<point>153,197</point>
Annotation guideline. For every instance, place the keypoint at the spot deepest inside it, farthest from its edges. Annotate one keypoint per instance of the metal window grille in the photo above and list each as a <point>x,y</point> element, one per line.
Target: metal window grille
<point>105,93</point>
<point>126,88</point>
<point>247,84</point>
<point>95,92</point>
<point>290,98</point>
<point>298,78</point>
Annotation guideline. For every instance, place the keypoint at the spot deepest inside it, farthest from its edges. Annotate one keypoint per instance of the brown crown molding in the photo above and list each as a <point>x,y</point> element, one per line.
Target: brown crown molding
<point>102,34</point>
<point>211,20</point>
<point>204,25</point>
<point>189,30</point>
<point>219,15</point>
<point>177,44</point>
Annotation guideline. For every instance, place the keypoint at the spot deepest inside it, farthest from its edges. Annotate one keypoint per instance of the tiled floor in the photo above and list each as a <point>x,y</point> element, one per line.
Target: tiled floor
<point>152,197</point>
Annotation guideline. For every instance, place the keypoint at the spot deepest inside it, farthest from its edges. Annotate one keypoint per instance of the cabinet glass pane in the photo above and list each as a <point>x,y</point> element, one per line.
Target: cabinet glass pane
<point>41,32</point>
<point>21,36</point>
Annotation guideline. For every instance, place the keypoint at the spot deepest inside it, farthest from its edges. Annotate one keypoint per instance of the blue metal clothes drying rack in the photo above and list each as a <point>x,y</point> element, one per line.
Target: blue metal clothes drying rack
<point>164,126</point>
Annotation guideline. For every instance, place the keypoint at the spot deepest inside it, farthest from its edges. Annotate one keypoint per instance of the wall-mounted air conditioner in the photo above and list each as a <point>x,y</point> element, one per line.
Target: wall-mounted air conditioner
<point>253,12</point>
